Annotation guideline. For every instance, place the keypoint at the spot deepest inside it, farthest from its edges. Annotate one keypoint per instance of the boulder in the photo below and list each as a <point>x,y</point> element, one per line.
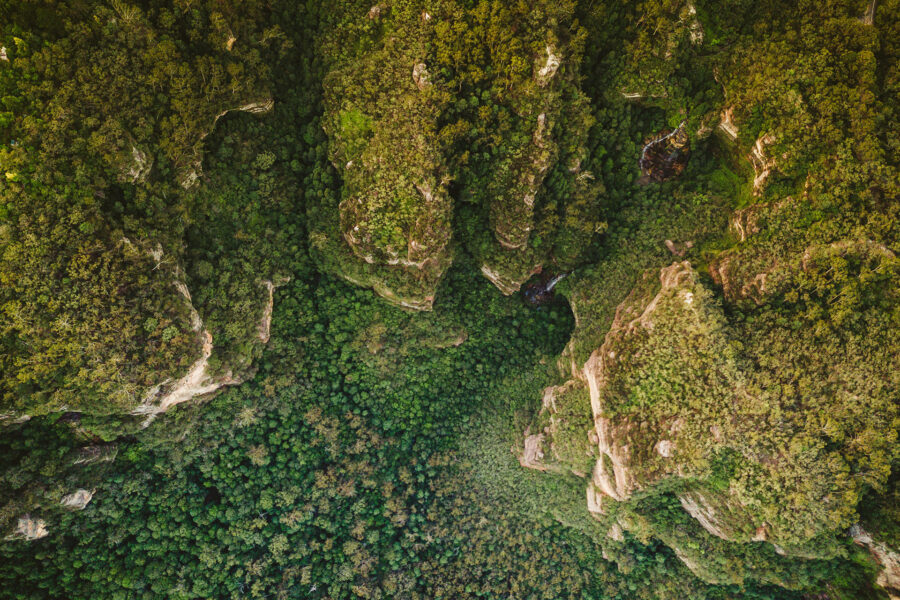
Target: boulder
<point>78,499</point>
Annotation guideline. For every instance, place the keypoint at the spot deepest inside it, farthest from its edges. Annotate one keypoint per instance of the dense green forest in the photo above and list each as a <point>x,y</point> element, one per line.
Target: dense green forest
<point>450,299</point>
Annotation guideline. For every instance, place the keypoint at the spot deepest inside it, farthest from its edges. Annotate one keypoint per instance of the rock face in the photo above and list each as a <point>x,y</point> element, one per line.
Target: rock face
<point>869,17</point>
<point>508,283</point>
<point>886,556</point>
<point>550,101</point>
<point>763,164</point>
<point>727,125</point>
<point>30,529</point>
<point>634,450</point>
<point>675,386</point>
<point>623,466</point>
<point>190,175</point>
<point>265,323</point>
<point>552,448</point>
<point>139,168</point>
<point>420,76</point>
<point>198,380</point>
<point>94,454</point>
<point>548,70</point>
<point>78,499</point>
<point>698,506</point>
<point>390,231</point>
<point>694,25</point>
<point>532,455</point>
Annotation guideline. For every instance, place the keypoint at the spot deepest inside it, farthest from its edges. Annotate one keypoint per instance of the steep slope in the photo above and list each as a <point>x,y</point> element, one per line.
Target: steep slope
<point>97,310</point>
<point>405,146</point>
<point>756,396</point>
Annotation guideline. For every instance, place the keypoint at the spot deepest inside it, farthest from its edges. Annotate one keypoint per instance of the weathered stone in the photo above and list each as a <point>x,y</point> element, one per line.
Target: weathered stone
<point>420,76</point>
<point>77,499</point>
<point>30,528</point>
<point>665,448</point>
<point>886,556</point>
<point>549,68</point>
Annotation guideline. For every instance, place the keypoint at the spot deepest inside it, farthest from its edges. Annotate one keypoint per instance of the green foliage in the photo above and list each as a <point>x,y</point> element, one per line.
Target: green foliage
<point>411,147</point>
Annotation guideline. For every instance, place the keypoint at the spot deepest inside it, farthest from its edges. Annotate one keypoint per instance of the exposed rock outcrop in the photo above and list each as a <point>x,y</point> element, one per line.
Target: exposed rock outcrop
<point>29,528</point>
<point>198,380</point>
<point>727,124</point>
<point>676,385</point>
<point>78,499</point>
<point>869,17</point>
<point>139,168</point>
<point>698,506</point>
<point>506,286</point>
<point>189,176</point>
<point>265,322</point>
<point>549,67</point>
<point>694,25</point>
<point>551,449</point>
<point>886,556</point>
<point>623,466</point>
<point>420,76</point>
<point>636,451</point>
<point>97,453</point>
<point>679,250</point>
<point>763,164</point>
<point>532,455</point>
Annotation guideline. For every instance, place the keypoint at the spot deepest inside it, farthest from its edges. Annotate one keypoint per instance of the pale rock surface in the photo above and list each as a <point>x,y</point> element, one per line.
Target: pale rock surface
<point>697,505</point>
<point>263,330</point>
<point>197,381</point>
<point>95,454</point>
<point>665,448</point>
<point>77,499</point>
<point>696,29</point>
<point>887,557</point>
<point>762,163</point>
<point>140,166</point>
<point>29,529</point>
<point>420,76</point>
<point>532,457</point>
<point>506,285</point>
<point>727,124</point>
<point>549,68</point>
<point>869,17</point>
<point>594,501</point>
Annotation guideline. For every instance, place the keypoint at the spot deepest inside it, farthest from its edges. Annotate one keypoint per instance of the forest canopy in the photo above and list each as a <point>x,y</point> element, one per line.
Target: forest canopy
<point>449,299</point>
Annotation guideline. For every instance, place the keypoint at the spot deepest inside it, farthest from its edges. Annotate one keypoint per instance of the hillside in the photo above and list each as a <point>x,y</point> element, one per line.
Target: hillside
<point>449,299</point>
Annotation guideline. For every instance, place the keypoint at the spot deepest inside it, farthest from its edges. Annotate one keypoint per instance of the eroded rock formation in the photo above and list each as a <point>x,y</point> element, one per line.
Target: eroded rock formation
<point>30,528</point>
<point>78,499</point>
<point>394,216</point>
<point>198,380</point>
<point>191,174</point>
<point>885,555</point>
<point>671,387</point>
